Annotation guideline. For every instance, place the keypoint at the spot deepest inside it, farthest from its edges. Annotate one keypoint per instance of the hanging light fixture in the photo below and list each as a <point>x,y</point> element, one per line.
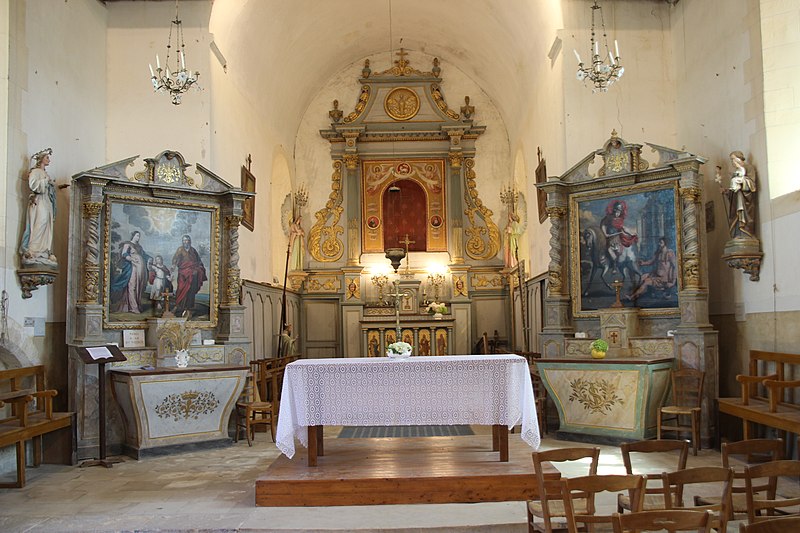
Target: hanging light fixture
<point>180,79</point>
<point>604,69</point>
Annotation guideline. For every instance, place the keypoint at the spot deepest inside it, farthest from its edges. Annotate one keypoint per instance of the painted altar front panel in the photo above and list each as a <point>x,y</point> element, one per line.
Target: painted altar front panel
<point>611,399</point>
<point>168,407</point>
<point>424,223</point>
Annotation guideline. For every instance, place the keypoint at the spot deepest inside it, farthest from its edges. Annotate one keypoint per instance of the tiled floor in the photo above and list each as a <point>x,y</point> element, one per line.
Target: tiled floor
<point>214,491</point>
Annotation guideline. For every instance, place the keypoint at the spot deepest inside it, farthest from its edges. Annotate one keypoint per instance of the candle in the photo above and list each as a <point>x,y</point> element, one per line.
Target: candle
<point>616,48</point>
<point>596,49</point>
<point>611,58</point>
<point>183,60</point>
<point>577,56</point>
<point>158,62</point>
<point>152,74</point>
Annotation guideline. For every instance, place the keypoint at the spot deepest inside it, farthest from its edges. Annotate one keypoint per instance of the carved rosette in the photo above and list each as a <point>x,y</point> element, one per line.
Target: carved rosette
<point>484,241</point>
<point>351,161</point>
<point>363,98</point>
<point>91,270</point>
<point>557,236</point>
<point>324,244</point>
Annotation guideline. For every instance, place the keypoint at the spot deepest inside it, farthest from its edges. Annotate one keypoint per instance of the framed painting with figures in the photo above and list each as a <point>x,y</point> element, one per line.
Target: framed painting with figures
<point>628,240</point>
<point>161,259</point>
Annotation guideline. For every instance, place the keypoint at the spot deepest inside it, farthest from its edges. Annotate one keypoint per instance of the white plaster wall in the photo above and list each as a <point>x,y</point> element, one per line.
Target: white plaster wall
<point>721,109</point>
<point>56,98</point>
<point>641,106</point>
<point>493,164</point>
<point>236,132</point>
<point>143,122</point>
<point>780,33</point>
<point>541,124</point>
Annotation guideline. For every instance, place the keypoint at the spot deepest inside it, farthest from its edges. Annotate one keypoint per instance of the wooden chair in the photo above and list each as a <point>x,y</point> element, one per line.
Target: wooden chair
<point>749,452</point>
<point>251,411</point>
<point>551,498</point>
<point>771,503</point>
<point>687,394</point>
<point>587,487</point>
<point>674,484</point>
<point>653,495</point>
<point>660,520</point>
<point>788,524</point>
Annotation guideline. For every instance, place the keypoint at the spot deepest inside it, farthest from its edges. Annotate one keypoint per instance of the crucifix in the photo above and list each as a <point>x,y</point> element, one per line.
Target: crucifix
<point>167,313</point>
<point>613,336</point>
<point>397,296</point>
<point>407,241</point>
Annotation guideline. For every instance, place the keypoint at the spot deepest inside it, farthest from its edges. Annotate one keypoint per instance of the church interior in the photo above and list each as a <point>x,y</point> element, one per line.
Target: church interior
<point>210,193</point>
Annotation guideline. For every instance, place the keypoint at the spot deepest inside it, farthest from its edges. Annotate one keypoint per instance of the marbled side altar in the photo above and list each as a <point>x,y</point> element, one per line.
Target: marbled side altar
<point>166,409</point>
<point>612,398</point>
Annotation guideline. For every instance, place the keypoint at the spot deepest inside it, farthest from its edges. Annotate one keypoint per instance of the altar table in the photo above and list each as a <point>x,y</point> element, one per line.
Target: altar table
<point>491,390</point>
<point>168,409</point>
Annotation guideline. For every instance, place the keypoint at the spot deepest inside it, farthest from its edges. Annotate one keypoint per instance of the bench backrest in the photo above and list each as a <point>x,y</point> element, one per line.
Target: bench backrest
<point>777,365</point>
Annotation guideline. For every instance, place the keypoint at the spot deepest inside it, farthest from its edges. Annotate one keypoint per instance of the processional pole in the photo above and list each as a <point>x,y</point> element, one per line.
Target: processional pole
<point>283,300</point>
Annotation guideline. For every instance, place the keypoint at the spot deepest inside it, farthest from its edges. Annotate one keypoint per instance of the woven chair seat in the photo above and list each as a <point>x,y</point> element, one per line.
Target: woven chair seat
<point>557,507</point>
<point>652,502</point>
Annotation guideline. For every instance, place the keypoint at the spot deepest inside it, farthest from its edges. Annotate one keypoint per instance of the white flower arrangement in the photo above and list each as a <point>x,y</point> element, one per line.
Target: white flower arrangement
<point>437,307</point>
<point>398,348</point>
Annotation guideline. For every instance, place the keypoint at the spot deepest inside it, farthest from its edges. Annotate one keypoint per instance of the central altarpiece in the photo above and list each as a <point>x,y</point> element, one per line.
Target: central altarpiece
<point>403,177</point>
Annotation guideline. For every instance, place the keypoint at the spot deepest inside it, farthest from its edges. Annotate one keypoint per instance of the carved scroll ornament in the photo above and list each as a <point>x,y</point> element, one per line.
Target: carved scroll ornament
<point>324,243</point>
<point>484,241</point>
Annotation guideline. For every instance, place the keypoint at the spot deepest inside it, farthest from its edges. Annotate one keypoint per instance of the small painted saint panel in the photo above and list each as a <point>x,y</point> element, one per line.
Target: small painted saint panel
<point>390,337</point>
<point>373,343</point>
<point>408,337</point>
<point>441,341</point>
<point>625,241</point>
<point>425,342</point>
<point>161,259</point>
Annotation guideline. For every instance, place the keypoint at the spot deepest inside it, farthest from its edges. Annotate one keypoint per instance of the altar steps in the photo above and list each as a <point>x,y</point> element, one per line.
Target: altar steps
<point>459,469</point>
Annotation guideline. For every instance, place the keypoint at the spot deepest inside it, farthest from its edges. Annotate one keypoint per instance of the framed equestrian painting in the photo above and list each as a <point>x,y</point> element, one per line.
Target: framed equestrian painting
<point>161,260</point>
<point>625,242</point>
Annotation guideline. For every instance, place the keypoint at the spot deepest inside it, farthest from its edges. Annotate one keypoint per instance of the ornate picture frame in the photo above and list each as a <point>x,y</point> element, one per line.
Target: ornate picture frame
<point>249,205</point>
<point>629,235</point>
<point>156,246</point>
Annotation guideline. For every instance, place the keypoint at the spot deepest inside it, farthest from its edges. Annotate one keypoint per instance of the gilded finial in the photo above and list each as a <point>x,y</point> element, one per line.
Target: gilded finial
<point>366,71</point>
<point>436,70</point>
<point>335,113</point>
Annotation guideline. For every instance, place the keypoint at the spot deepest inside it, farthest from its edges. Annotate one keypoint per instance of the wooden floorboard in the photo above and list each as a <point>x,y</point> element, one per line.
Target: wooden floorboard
<point>460,469</point>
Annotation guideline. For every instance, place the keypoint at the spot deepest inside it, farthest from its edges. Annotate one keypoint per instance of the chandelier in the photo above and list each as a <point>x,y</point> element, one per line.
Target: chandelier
<point>180,79</point>
<point>604,69</point>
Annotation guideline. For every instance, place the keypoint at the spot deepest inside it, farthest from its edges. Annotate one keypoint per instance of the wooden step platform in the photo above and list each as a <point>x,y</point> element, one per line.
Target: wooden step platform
<point>459,469</point>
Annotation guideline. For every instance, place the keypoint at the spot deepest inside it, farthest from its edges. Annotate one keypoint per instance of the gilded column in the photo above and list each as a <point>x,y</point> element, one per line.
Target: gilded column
<point>90,281</point>
<point>558,239</point>
<point>233,277</point>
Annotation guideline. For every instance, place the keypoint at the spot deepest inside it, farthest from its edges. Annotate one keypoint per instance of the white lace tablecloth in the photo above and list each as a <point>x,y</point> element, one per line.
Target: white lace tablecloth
<point>453,389</point>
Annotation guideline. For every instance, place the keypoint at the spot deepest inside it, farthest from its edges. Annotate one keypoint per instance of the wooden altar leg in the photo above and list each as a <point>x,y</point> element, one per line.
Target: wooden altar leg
<point>320,441</point>
<point>500,436</point>
<point>312,445</point>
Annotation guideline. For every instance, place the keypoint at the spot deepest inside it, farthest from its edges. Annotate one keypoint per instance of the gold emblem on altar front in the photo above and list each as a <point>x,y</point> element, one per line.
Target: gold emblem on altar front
<point>189,404</point>
<point>596,396</point>
<point>401,103</point>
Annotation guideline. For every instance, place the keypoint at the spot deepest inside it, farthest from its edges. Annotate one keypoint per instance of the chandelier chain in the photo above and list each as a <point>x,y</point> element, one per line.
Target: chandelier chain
<point>604,69</point>
<point>181,79</point>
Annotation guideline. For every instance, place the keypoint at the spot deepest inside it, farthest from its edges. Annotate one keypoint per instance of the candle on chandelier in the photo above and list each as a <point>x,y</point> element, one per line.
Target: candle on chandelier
<point>158,62</point>
<point>596,49</point>
<point>616,48</point>
<point>577,56</point>
<point>152,74</point>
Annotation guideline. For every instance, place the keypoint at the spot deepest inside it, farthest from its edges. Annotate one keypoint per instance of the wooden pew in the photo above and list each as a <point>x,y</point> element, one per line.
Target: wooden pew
<point>29,415</point>
<point>764,398</point>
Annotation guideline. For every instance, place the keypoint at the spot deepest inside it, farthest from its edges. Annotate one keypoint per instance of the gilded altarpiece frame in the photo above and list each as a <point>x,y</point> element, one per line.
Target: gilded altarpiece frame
<point>378,175</point>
